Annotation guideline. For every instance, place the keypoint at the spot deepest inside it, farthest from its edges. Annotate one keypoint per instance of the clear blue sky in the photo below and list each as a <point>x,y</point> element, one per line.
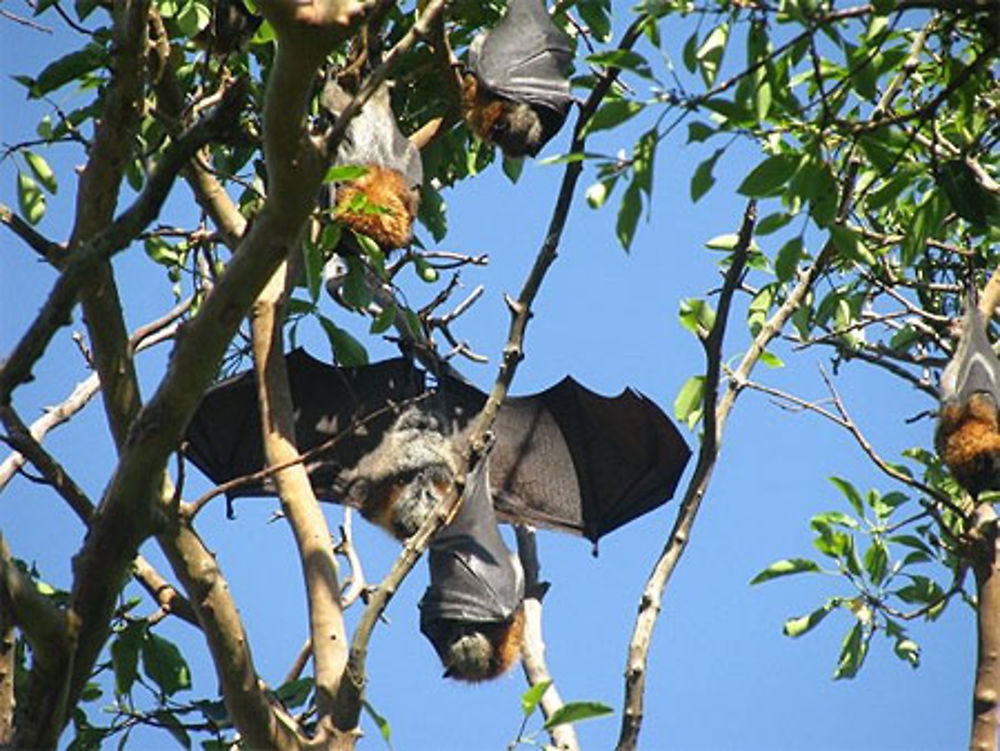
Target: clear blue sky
<point>721,675</point>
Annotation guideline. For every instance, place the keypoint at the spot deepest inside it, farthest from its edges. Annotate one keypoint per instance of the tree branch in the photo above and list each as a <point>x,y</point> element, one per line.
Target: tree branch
<point>715,418</point>
<point>312,536</point>
<point>533,647</point>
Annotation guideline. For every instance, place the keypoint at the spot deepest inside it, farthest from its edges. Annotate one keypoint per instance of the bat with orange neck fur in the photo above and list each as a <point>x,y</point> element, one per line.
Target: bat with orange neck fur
<point>968,430</point>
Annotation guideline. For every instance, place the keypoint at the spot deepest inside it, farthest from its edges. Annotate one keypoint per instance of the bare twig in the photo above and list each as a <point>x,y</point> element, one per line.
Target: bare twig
<point>716,412</point>
<point>533,647</point>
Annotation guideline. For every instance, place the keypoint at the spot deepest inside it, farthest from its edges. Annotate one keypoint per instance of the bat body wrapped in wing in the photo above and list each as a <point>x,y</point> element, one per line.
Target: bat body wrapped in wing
<point>471,611</point>
<point>967,437</point>
<point>517,91</point>
<point>564,459</point>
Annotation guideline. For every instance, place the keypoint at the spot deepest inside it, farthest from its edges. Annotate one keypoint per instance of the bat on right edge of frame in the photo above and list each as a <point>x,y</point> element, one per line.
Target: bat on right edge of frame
<point>967,436</point>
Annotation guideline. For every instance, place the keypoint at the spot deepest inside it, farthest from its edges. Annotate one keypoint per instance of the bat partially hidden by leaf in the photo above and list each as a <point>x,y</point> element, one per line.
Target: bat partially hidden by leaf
<point>565,459</point>
<point>968,436</point>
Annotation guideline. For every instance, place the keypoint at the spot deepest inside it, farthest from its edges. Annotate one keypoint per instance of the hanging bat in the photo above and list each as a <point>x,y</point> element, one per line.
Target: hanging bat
<point>967,436</point>
<point>382,203</point>
<point>516,93</point>
<point>472,611</point>
<point>231,28</point>
<point>565,459</point>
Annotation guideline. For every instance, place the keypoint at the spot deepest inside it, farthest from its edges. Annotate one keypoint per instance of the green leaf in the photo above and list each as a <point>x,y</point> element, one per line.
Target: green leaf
<point>343,173</point>
<point>125,655</point>
<point>30,198</point>
<point>698,132</point>
<point>512,168</point>
<point>973,203</point>
<point>613,113</point>
<point>771,360</point>
<point>920,591</point>
<point>628,215</point>
<point>433,212</point>
<point>795,627</point>
<point>43,172</point>
<point>710,53</point>
<point>689,55</point>
<point>688,404</point>
<point>162,252</point>
<point>347,351</point>
<point>380,722</point>
<point>772,223</point>
<point>768,176</point>
<point>595,14</point>
<point>68,68</point>
<point>313,257</point>
<point>194,17</point>
<point>852,653</point>
<point>163,663</point>
<point>850,245</point>
<point>702,180</point>
<point>851,493</point>
<point>726,242</point>
<point>876,561</point>
<point>624,59</point>
<point>787,260</point>
<point>355,290</point>
<point>383,320</point>
<point>575,711</point>
<point>531,697</point>
<point>786,567</point>
<point>697,316</point>
<point>295,693</point>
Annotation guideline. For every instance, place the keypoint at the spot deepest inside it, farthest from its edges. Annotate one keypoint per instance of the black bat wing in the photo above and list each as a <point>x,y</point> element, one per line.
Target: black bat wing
<point>572,460</point>
<point>472,577</point>
<point>525,58</point>
<point>224,436</point>
<point>974,368</point>
<point>373,136</point>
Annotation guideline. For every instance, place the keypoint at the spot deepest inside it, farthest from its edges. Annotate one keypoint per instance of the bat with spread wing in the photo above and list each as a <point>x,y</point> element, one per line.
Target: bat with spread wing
<point>565,459</point>
<point>967,437</point>
<point>517,91</point>
<point>382,202</point>
<point>471,611</point>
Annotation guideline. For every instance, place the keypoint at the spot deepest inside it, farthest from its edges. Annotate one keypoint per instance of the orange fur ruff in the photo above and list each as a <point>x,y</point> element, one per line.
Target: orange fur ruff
<point>388,219</point>
<point>969,442</point>
<point>482,111</point>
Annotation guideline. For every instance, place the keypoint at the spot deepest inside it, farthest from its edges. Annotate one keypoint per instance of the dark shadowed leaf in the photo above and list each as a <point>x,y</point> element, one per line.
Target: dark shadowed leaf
<point>163,663</point>
<point>768,176</point>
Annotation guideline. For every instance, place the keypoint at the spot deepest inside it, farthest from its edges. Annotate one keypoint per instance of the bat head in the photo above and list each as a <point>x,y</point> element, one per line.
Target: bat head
<point>397,484</point>
<point>382,203</point>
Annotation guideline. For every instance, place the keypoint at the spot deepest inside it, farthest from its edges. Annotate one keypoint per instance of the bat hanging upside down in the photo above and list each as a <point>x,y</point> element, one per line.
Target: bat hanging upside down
<point>564,459</point>
<point>383,202</point>
<point>472,611</point>
<point>968,434</point>
<point>516,93</point>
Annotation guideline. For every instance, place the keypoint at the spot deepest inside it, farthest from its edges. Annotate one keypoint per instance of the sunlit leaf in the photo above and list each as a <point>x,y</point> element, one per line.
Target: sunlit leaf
<point>786,567</point>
